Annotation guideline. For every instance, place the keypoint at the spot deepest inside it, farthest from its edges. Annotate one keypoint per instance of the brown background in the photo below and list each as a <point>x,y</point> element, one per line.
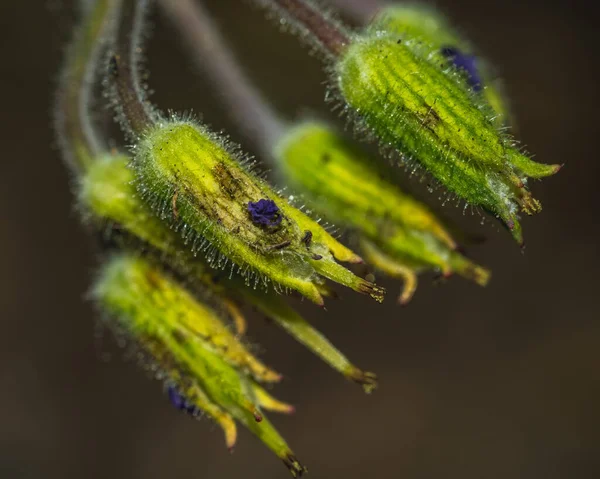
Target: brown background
<point>476,383</point>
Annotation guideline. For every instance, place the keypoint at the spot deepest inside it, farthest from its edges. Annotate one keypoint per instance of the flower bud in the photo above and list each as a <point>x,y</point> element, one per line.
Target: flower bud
<point>402,90</point>
<point>430,26</point>
<point>196,185</point>
<point>399,235</point>
<point>181,335</point>
<point>108,195</point>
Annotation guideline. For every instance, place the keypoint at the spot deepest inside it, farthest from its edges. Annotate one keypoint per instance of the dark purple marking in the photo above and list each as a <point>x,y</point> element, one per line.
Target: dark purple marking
<point>265,213</point>
<point>180,402</point>
<point>467,63</point>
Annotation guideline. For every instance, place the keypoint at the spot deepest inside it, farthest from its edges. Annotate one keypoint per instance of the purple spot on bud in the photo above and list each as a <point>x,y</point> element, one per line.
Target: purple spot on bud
<point>180,402</point>
<point>467,63</point>
<point>265,213</point>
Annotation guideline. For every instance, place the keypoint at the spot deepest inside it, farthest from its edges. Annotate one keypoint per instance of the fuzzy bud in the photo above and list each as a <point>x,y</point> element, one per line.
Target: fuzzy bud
<point>181,336</point>
<point>399,235</point>
<point>430,26</point>
<point>194,183</point>
<point>404,92</point>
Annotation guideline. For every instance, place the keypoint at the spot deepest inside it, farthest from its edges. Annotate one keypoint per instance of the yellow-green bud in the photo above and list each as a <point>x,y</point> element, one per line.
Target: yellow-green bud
<point>402,91</point>
<point>182,336</point>
<point>198,186</point>
<point>400,235</point>
<point>429,25</point>
<point>107,194</point>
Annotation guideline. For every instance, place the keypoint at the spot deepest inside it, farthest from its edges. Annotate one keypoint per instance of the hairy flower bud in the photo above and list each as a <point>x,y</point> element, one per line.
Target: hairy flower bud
<point>399,235</point>
<point>191,350</point>
<point>196,185</point>
<point>427,24</point>
<point>403,91</point>
<point>108,196</point>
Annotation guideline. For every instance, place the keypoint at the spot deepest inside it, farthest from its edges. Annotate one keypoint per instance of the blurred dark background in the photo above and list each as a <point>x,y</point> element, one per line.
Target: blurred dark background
<point>502,382</point>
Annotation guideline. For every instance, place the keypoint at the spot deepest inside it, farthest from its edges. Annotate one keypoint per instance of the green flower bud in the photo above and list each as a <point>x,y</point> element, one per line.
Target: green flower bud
<point>430,26</point>
<point>399,235</point>
<point>402,91</point>
<point>195,184</point>
<point>183,337</point>
<point>203,323</point>
<point>107,193</point>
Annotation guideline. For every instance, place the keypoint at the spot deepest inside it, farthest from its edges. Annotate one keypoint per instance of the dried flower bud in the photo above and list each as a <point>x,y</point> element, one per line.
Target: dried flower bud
<point>108,195</point>
<point>199,187</point>
<point>181,336</point>
<point>399,235</point>
<point>402,90</point>
<point>430,26</point>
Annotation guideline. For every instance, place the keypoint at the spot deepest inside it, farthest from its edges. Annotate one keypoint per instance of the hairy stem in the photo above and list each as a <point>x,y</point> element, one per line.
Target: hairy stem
<point>73,119</point>
<point>360,11</point>
<point>329,35</point>
<point>131,103</point>
<point>246,105</point>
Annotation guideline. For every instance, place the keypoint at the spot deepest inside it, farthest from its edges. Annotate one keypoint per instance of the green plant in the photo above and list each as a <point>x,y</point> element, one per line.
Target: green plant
<point>190,231</point>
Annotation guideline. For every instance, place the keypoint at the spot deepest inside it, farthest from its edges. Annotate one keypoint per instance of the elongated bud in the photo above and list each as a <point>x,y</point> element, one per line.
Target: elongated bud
<point>400,235</point>
<point>193,318</point>
<point>403,91</point>
<point>195,184</point>
<point>108,195</point>
<point>430,26</point>
<point>162,318</point>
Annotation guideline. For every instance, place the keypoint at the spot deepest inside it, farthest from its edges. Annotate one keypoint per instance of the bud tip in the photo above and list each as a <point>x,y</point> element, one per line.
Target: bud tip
<point>293,465</point>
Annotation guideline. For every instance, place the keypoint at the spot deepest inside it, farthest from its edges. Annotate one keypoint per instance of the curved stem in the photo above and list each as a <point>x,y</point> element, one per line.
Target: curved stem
<point>312,21</point>
<point>73,119</point>
<point>246,105</point>
<point>361,11</point>
<point>131,104</point>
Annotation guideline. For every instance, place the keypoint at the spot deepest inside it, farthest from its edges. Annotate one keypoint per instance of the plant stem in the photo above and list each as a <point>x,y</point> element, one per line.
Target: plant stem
<point>360,11</point>
<point>246,105</point>
<point>131,103</point>
<point>329,35</point>
<point>73,119</point>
